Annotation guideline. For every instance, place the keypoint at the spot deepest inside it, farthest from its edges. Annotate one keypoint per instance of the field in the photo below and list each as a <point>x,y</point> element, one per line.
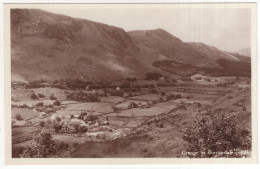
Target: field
<point>137,112</point>
<point>160,140</point>
<point>147,97</point>
<point>25,113</point>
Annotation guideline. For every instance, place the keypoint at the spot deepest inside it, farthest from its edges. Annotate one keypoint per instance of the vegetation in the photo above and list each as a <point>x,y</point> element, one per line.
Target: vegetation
<point>81,96</point>
<point>44,146</point>
<point>132,105</point>
<point>153,76</point>
<point>52,97</point>
<point>18,117</point>
<point>217,135</point>
<point>34,96</point>
<point>40,95</point>
<point>39,104</point>
<point>57,103</point>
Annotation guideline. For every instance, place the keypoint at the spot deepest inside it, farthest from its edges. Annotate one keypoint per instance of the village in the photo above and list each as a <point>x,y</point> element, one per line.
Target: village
<point>96,113</point>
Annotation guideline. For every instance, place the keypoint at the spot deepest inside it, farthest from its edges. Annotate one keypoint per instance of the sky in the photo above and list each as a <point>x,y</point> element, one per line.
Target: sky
<point>225,28</point>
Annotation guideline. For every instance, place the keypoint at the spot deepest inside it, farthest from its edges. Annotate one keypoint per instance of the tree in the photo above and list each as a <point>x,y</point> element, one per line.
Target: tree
<point>42,123</point>
<point>34,96</point>
<point>216,134</point>
<point>115,109</point>
<point>41,95</point>
<point>132,105</point>
<point>43,146</point>
<point>58,119</point>
<point>18,117</point>
<point>57,103</point>
<point>39,104</point>
<point>153,76</point>
<point>52,97</point>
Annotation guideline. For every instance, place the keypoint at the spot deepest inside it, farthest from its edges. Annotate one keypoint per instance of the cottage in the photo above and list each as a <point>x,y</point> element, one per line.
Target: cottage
<point>43,114</point>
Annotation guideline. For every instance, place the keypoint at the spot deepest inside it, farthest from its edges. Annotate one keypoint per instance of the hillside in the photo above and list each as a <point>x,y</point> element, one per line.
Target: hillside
<point>51,46</point>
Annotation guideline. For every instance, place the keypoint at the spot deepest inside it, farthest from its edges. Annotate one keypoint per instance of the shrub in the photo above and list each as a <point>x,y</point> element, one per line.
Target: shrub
<point>217,132</point>
<point>57,103</point>
<point>178,96</point>
<point>162,93</point>
<point>39,104</point>
<point>132,105</point>
<point>52,97</point>
<point>33,96</point>
<point>130,95</point>
<point>42,123</point>
<point>153,76</point>
<point>170,97</point>
<point>41,95</point>
<point>58,119</point>
<point>154,91</point>
<point>18,117</point>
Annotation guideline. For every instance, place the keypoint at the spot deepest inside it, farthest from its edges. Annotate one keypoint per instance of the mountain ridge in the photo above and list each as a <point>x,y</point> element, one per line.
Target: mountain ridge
<point>51,46</point>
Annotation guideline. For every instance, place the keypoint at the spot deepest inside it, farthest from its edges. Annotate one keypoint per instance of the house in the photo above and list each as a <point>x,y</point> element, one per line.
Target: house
<point>162,80</point>
<point>43,114</point>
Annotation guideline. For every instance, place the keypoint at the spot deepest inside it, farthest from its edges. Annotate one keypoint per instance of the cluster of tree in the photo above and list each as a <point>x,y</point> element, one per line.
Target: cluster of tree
<point>82,96</point>
<point>132,105</point>
<point>153,76</point>
<point>217,132</point>
<point>131,79</point>
<point>18,117</point>
<point>172,96</point>
<point>71,83</point>
<point>43,147</point>
<point>186,79</point>
<point>225,84</point>
<point>114,92</point>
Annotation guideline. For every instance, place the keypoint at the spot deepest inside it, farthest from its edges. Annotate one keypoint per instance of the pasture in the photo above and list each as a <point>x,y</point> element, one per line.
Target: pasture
<point>25,113</point>
<point>137,112</point>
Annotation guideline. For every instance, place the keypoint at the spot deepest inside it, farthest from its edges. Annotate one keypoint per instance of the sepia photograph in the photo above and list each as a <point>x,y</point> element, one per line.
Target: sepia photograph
<point>117,81</point>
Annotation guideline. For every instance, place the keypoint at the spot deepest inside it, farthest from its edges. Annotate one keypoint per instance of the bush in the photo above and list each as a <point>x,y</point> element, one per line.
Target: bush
<point>217,132</point>
<point>132,105</point>
<point>33,96</point>
<point>58,119</point>
<point>170,97</point>
<point>162,93</point>
<point>153,76</point>
<point>41,95</point>
<point>42,123</point>
<point>52,97</point>
<point>57,103</point>
<point>18,117</point>
<point>178,96</point>
<point>115,109</point>
<point>39,104</point>
<point>154,91</point>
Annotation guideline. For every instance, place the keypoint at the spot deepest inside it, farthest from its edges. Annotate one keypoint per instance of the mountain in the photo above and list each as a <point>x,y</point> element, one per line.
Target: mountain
<point>45,45</point>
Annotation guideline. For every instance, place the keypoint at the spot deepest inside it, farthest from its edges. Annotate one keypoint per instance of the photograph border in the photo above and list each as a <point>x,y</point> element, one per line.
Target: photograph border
<point>108,161</point>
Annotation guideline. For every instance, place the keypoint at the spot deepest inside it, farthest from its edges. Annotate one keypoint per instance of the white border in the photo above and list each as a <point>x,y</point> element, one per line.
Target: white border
<point>104,1</point>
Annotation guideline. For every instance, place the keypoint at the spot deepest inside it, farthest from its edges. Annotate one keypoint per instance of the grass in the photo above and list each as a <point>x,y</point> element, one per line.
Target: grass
<point>148,97</point>
<point>18,132</point>
<point>137,112</point>
<point>112,99</point>
<point>25,113</point>
<point>167,105</point>
<point>127,102</point>
<point>98,107</point>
